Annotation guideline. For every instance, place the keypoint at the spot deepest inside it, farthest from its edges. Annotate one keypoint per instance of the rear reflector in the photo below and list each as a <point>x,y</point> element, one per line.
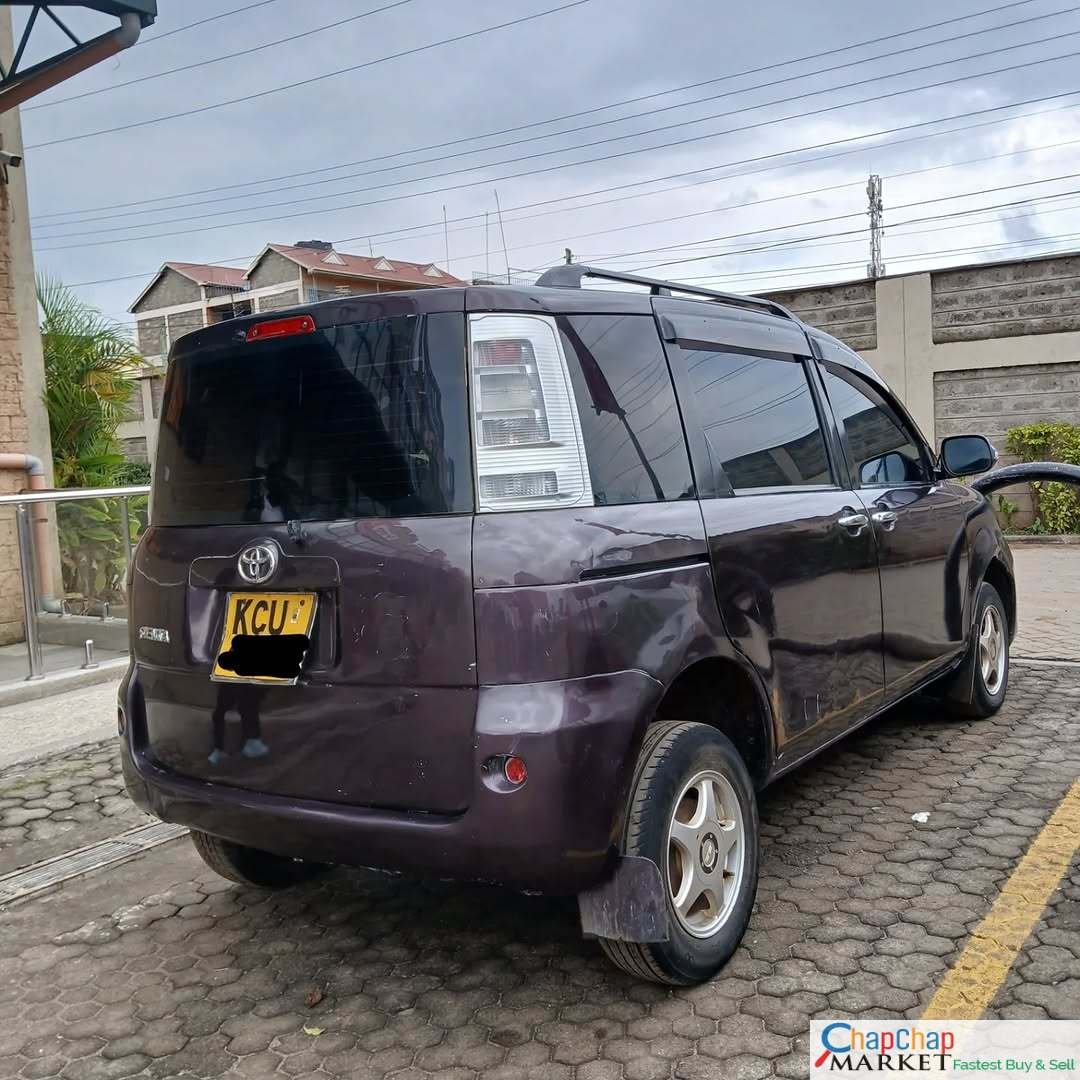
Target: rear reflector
<point>275,328</point>
<point>514,770</point>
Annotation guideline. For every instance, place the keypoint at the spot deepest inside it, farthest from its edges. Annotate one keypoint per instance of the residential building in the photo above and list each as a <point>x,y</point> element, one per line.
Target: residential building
<point>182,297</point>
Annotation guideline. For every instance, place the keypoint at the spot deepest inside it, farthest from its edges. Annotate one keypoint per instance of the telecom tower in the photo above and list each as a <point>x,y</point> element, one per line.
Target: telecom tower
<point>875,268</point>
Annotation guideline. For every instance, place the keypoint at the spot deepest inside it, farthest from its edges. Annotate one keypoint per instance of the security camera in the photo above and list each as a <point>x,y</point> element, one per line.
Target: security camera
<point>14,160</point>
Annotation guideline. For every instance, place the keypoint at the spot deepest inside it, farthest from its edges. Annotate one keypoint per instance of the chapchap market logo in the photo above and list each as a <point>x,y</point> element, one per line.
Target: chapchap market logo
<point>846,1047</point>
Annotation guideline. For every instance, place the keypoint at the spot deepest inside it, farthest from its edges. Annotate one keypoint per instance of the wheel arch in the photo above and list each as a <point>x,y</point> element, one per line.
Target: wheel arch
<point>998,575</point>
<point>723,693</point>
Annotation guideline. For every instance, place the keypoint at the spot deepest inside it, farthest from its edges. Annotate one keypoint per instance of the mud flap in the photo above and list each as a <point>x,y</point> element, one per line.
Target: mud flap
<point>630,906</point>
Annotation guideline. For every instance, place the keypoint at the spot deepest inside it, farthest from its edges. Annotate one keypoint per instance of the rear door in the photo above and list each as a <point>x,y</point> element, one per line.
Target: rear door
<point>793,554</point>
<point>919,523</point>
<point>336,446</point>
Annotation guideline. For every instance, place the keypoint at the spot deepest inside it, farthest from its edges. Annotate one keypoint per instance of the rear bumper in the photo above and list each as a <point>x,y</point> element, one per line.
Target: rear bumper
<point>555,834</point>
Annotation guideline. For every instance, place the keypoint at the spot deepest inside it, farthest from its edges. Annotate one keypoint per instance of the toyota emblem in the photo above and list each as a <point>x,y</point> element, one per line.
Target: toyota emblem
<point>258,563</point>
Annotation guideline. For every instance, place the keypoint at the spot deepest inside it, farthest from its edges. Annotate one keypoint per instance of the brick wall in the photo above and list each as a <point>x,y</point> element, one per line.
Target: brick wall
<point>150,336</point>
<point>989,401</point>
<point>288,298</point>
<point>136,410</point>
<point>1037,296</point>
<point>848,312</point>
<point>135,449</point>
<point>170,289</point>
<point>183,322</point>
<point>14,432</point>
<point>273,269</point>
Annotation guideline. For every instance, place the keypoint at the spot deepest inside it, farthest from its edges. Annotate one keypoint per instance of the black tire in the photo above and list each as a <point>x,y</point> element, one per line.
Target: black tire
<point>249,866</point>
<point>970,694</point>
<point>673,754</point>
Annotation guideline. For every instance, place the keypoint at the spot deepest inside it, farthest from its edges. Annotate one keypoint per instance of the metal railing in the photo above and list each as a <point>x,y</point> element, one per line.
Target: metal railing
<point>28,556</point>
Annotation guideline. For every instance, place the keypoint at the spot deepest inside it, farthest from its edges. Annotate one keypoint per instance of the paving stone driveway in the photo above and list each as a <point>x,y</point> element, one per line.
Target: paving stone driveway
<point>164,971</point>
<point>1048,598</point>
<point>54,804</point>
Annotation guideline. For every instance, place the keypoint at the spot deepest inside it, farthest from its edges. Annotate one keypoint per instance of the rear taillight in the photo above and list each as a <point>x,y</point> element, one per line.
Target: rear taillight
<point>529,449</point>
<point>277,328</point>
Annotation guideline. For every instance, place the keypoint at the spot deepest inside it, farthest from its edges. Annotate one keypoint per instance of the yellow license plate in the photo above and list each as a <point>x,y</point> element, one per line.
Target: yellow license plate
<point>250,616</point>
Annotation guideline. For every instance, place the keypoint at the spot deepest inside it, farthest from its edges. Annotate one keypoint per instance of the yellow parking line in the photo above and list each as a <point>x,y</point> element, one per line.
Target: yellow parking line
<point>993,946</point>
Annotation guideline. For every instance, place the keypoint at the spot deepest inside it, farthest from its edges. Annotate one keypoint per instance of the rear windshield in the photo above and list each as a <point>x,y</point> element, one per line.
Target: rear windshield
<point>362,419</point>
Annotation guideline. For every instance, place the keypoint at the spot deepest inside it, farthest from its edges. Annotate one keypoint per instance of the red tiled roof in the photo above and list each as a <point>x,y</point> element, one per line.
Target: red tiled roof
<point>206,274</point>
<point>378,268</point>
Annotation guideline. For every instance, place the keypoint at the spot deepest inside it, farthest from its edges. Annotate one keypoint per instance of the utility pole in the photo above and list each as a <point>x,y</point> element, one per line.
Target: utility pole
<point>875,268</point>
<point>502,233</point>
<point>568,256</point>
<point>446,238</point>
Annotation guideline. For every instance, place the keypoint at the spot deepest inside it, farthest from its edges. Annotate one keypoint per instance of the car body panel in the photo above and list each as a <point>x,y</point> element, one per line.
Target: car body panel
<point>445,643</point>
<point>799,596</point>
<point>391,675</point>
<point>920,585</point>
<point>556,833</point>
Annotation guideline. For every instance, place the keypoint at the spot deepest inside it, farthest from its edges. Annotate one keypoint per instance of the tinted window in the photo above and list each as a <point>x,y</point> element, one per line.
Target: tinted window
<point>629,419</point>
<point>361,420</point>
<point>881,450</point>
<point>760,420</point>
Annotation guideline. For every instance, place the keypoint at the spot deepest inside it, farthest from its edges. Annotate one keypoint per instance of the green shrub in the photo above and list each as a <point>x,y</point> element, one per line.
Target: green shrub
<point>1057,506</point>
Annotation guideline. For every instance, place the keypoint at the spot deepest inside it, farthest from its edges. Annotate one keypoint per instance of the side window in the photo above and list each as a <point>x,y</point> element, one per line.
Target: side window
<point>881,449</point>
<point>760,420</point>
<point>630,423</point>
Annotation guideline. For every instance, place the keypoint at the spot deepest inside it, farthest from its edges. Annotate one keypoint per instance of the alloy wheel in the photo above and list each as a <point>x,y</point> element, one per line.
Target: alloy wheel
<point>706,853</point>
<point>991,650</point>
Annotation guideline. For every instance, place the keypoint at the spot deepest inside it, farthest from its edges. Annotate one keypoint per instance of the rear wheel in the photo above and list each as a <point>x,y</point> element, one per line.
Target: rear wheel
<point>692,812</point>
<point>981,684</point>
<point>250,866</point>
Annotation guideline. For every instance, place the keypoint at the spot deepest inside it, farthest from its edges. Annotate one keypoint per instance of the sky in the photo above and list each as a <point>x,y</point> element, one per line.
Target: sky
<point>721,144</point>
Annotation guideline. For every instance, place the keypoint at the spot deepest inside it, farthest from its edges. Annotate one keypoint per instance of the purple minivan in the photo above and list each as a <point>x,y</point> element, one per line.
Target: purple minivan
<point>540,586</point>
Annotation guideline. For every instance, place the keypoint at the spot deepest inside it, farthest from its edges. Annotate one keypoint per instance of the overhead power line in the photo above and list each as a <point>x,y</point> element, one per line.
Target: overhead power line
<point>526,157</point>
<point>804,243</point>
<point>731,280</point>
<point>191,65</point>
<point>585,112</point>
<point>838,217</point>
<point>697,172</point>
<point>811,242</point>
<point>312,79</point>
<point>151,38</point>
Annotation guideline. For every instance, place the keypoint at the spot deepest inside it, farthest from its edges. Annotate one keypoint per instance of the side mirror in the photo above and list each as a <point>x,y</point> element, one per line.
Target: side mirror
<point>967,455</point>
<point>890,468</point>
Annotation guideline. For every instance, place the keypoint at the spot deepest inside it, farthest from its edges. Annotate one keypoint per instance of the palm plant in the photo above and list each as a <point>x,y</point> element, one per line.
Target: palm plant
<point>90,363</point>
<point>90,368</point>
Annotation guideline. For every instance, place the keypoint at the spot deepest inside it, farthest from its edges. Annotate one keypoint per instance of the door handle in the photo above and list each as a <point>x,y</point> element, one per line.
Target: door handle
<point>855,522</point>
<point>886,519</point>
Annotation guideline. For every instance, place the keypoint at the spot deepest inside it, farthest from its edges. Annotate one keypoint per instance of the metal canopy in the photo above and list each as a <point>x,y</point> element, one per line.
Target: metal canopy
<point>145,9</point>
<point>17,83</point>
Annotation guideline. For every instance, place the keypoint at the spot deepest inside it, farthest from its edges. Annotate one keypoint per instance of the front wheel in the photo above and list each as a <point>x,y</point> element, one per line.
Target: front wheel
<point>693,812</point>
<point>981,684</point>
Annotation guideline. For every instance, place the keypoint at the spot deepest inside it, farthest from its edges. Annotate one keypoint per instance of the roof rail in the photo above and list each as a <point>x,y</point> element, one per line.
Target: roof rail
<point>569,275</point>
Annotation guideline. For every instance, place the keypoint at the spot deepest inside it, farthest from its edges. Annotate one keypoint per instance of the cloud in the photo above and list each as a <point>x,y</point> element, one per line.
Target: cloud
<point>729,187</point>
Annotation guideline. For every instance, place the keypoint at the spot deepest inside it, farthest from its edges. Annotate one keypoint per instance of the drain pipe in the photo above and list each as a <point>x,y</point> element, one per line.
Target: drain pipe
<point>34,468</point>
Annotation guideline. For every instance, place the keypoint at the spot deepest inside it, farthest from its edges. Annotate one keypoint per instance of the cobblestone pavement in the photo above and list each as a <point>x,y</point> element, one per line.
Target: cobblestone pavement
<point>158,969</point>
<point>54,804</point>
<point>1048,591</point>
